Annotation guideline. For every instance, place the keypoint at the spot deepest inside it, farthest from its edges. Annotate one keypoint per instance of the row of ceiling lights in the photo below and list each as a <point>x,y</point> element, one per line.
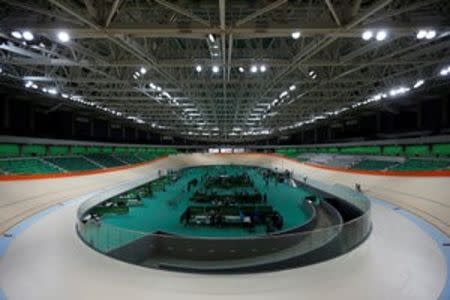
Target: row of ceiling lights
<point>79,99</point>
<point>394,92</point>
<point>391,93</point>
<point>142,71</point>
<point>253,69</point>
<point>285,94</point>
<point>63,36</point>
<point>381,35</point>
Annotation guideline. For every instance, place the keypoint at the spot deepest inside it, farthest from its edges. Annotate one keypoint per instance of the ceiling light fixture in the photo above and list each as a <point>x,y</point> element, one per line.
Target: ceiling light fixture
<point>381,35</point>
<point>211,38</point>
<point>263,68</point>
<point>63,36</point>
<point>16,34</point>
<point>198,68</point>
<point>445,71</point>
<point>52,91</point>
<point>367,35</point>
<point>254,69</point>
<point>419,83</point>
<point>215,69</point>
<point>431,34</point>
<point>241,69</point>
<point>283,94</point>
<point>143,70</point>
<point>421,34</point>
<point>296,35</point>
<point>27,35</point>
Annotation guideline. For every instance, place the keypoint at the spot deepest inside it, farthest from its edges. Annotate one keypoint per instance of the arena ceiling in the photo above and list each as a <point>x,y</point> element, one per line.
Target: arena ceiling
<point>225,70</point>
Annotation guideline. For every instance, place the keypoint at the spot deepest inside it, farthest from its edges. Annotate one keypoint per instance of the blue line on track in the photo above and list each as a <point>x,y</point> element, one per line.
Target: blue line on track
<point>439,237</point>
<point>8,236</point>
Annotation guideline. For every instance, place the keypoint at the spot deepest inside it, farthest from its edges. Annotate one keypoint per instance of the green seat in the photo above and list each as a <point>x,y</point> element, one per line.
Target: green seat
<point>72,163</point>
<point>392,150</point>
<point>422,165</point>
<point>26,166</point>
<point>30,150</point>
<point>368,164</point>
<point>58,150</point>
<point>9,150</point>
<point>105,160</point>
<point>441,149</point>
<point>372,150</point>
<point>417,150</point>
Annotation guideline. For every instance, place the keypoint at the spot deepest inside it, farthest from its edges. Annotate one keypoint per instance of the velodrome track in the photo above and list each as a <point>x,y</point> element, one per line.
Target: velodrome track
<point>427,197</point>
<point>398,261</point>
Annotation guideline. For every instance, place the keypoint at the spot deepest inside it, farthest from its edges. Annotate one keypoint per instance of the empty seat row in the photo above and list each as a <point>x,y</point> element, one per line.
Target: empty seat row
<point>72,163</point>
<point>368,164</point>
<point>26,166</point>
<point>422,165</point>
<point>441,150</point>
<point>105,160</point>
<point>26,150</point>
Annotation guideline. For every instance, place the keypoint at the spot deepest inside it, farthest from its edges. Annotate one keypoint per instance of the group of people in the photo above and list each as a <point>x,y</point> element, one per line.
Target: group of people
<point>278,176</point>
